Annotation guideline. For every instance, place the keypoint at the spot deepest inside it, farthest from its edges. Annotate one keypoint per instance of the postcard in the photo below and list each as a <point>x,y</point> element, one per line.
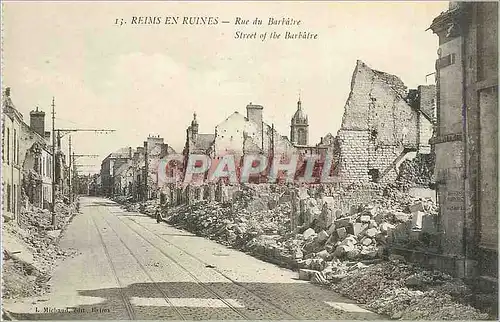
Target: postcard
<point>249,160</point>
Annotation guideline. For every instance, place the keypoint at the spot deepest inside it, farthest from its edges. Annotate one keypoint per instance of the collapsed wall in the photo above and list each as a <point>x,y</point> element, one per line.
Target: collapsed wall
<point>418,172</point>
<point>380,128</point>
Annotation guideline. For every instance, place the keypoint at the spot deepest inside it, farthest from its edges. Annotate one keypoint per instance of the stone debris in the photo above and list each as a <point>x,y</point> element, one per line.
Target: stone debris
<point>21,279</point>
<point>36,231</point>
<point>406,291</point>
<point>416,172</point>
<point>347,251</point>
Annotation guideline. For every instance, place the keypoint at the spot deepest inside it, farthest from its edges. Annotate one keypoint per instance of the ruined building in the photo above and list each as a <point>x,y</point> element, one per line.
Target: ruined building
<point>197,143</point>
<point>240,135</point>
<point>12,122</point>
<point>37,152</point>
<point>156,149</point>
<point>466,137</point>
<point>383,125</point>
<point>108,167</point>
<point>26,159</point>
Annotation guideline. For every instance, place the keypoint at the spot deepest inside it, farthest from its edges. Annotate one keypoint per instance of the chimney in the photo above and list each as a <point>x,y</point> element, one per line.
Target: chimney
<point>254,114</point>
<point>7,92</point>
<point>37,122</point>
<point>130,152</point>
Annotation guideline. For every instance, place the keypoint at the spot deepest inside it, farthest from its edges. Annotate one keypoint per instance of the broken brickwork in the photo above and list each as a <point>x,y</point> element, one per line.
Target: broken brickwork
<point>382,126</point>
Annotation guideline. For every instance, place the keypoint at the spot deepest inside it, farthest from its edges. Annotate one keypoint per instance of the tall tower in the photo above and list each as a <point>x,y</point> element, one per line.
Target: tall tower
<point>299,127</point>
<point>194,127</point>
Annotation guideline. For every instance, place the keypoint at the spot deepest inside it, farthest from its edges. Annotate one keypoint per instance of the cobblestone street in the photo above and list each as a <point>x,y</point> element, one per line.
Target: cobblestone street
<point>130,267</point>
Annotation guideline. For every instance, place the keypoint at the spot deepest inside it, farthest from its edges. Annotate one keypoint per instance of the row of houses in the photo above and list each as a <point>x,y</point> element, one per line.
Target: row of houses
<point>28,161</point>
<point>132,172</point>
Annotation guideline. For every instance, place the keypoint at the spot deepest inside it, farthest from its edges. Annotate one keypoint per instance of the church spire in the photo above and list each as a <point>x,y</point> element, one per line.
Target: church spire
<point>194,126</point>
<point>194,121</point>
<point>299,132</point>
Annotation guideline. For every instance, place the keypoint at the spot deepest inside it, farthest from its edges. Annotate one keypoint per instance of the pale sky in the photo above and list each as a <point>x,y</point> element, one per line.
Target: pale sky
<point>149,79</point>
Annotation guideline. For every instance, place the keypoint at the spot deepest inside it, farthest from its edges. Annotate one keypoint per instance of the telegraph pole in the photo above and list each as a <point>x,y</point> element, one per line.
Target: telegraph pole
<point>53,162</point>
<point>146,170</point>
<point>59,136</point>
<point>70,192</point>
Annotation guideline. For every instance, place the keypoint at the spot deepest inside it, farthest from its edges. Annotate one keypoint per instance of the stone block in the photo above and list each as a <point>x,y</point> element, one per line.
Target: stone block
<point>418,206</point>
<point>331,229</point>
<point>309,233</point>
<point>365,219</point>
<point>324,254</point>
<point>358,228</point>
<point>371,211</point>
<point>343,222</point>
<point>353,254</point>
<point>341,233</point>
<point>366,241</point>
<point>372,232</point>
<point>341,250</point>
<point>416,221</point>
<point>329,201</point>
<point>349,240</point>
<point>330,248</point>
<point>322,237</point>
<point>306,274</point>
<point>303,193</point>
<point>373,224</point>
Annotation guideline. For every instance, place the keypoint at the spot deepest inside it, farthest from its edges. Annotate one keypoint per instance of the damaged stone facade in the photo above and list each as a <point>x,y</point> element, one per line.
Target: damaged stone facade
<point>11,163</point>
<point>156,149</point>
<point>26,160</point>
<point>382,126</point>
<point>240,135</point>
<point>124,172</point>
<point>197,143</point>
<point>465,141</point>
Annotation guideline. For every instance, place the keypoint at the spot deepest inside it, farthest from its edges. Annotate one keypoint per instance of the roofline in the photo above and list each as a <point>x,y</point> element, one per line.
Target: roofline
<point>256,107</point>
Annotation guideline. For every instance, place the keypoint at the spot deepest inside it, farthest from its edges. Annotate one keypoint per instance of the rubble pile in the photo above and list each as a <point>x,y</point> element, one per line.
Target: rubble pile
<point>416,172</point>
<point>405,291</point>
<point>36,231</point>
<point>231,225</point>
<point>22,280</point>
<point>346,250</point>
<point>148,207</point>
<point>258,223</point>
<point>42,218</point>
<point>362,234</point>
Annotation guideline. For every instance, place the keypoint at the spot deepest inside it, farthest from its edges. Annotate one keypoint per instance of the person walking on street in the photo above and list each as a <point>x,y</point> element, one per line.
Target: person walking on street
<point>158,216</point>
